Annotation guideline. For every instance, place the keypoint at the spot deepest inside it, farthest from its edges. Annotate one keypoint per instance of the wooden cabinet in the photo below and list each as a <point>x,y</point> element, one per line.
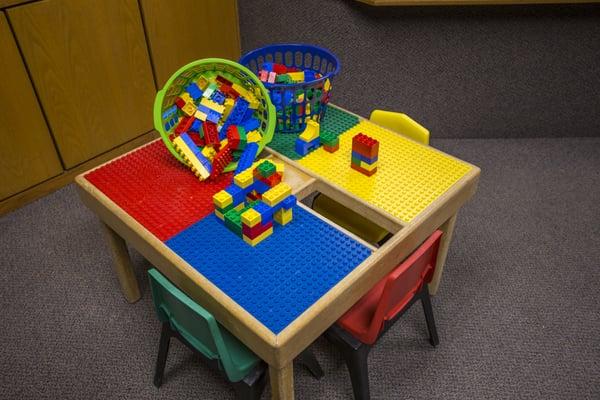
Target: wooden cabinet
<point>186,30</point>
<point>27,154</point>
<point>89,63</point>
<point>79,79</point>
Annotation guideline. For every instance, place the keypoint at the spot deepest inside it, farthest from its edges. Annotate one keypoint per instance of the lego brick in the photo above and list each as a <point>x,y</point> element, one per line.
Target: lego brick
<point>192,156</point>
<point>221,160</point>
<point>409,176</point>
<point>259,238</point>
<point>251,124</point>
<point>222,199</point>
<point>266,168</point>
<point>212,105</point>
<point>184,125</point>
<point>311,132</point>
<point>304,148</point>
<point>256,230</point>
<point>194,91</point>
<point>152,187</point>
<point>363,158</point>
<point>283,216</point>
<point>363,170</point>
<point>244,179</point>
<point>211,135</point>
<point>266,212</point>
<point>247,157</point>
<point>251,217</point>
<point>277,194</point>
<point>253,137</point>
<point>282,277</point>
<point>331,149</point>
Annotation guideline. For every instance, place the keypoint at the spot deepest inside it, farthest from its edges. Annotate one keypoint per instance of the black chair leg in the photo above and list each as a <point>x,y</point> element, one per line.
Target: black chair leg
<point>355,354</point>
<point>426,302</point>
<point>163,351</point>
<point>308,359</point>
<point>253,384</point>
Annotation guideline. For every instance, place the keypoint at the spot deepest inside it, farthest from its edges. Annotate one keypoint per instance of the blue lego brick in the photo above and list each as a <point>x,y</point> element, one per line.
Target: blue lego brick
<point>309,75</point>
<point>218,97</point>
<point>238,194</point>
<point>260,186</point>
<point>213,116</point>
<point>196,126</point>
<point>289,202</point>
<point>237,112</point>
<point>280,278</point>
<point>247,115</point>
<point>303,148</point>
<point>267,66</point>
<point>194,91</point>
<point>247,157</point>
<point>363,158</point>
<point>196,150</point>
<point>266,212</point>
<point>169,111</point>
<point>251,124</point>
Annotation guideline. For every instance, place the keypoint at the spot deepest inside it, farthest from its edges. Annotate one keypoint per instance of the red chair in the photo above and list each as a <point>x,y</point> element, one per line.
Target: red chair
<point>368,320</point>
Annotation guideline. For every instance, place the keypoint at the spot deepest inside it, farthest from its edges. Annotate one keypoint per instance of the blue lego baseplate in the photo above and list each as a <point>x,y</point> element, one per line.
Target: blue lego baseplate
<point>281,277</point>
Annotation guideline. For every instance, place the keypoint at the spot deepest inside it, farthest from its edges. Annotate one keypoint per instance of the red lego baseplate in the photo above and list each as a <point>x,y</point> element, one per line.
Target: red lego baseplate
<point>157,190</point>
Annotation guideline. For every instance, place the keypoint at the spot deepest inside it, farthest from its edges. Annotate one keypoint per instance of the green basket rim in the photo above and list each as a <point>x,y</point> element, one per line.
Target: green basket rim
<point>158,100</point>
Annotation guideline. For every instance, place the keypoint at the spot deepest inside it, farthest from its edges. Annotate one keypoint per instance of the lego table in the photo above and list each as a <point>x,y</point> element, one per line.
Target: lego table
<point>279,296</point>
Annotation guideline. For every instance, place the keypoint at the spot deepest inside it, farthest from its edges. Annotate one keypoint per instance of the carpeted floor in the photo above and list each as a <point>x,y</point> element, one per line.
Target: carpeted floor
<point>518,309</point>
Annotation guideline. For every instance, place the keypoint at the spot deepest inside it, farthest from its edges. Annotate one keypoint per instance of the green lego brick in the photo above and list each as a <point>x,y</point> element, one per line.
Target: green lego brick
<point>328,138</point>
<point>266,169</point>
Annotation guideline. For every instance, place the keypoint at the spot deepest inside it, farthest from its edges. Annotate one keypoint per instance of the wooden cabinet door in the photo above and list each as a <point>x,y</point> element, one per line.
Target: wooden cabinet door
<point>27,154</point>
<point>89,63</point>
<point>181,31</point>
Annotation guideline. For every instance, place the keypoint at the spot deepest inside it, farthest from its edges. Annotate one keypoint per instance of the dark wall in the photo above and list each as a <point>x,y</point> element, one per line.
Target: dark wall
<point>498,71</point>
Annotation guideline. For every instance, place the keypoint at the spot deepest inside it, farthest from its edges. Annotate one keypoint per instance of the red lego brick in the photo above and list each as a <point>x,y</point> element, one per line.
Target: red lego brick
<point>197,139</point>
<point>365,145</point>
<point>229,91</point>
<point>256,230</point>
<point>221,160</point>
<point>156,190</point>
<point>272,180</point>
<point>280,68</point>
<point>224,81</point>
<point>233,136</point>
<point>179,102</point>
<point>184,124</point>
<point>331,149</point>
<point>211,135</point>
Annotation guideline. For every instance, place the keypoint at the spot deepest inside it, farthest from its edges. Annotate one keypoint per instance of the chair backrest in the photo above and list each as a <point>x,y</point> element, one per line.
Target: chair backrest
<point>402,124</point>
<point>189,319</point>
<point>404,282</point>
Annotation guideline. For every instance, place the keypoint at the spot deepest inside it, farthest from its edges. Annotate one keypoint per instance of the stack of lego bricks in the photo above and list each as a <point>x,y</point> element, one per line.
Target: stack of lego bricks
<point>365,153</point>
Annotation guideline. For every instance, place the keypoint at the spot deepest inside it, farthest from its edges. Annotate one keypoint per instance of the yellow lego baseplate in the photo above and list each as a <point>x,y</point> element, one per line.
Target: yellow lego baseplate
<point>409,176</point>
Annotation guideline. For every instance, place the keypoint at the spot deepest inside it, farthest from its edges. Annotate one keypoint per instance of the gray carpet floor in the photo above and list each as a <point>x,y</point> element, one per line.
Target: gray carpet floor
<point>518,308</point>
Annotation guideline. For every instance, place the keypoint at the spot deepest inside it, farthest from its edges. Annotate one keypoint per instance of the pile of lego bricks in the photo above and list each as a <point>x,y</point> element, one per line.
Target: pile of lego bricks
<point>279,73</point>
<point>256,197</point>
<point>216,125</point>
<point>365,153</point>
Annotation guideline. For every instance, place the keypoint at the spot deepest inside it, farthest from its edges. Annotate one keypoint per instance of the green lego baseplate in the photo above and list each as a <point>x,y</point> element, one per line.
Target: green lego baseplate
<point>335,121</point>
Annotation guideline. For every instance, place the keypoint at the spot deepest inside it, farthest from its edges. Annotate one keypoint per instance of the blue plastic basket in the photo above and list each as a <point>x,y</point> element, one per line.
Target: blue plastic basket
<point>296,102</point>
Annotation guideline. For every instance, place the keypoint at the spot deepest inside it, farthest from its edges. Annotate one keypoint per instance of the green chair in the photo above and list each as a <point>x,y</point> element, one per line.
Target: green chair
<point>350,220</point>
<point>195,327</point>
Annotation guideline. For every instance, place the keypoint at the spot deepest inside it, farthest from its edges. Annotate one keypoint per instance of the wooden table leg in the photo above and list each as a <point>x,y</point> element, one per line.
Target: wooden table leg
<point>122,264</point>
<point>448,228</point>
<point>282,382</point>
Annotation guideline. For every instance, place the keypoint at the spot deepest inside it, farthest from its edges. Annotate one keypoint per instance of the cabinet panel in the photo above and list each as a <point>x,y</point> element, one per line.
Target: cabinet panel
<point>90,65</point>
<point>27,154</point>
<point>181,31</point>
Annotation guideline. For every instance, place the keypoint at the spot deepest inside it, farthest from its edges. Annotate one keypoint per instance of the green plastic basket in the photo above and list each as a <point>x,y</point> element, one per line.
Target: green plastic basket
<point>165,98</point>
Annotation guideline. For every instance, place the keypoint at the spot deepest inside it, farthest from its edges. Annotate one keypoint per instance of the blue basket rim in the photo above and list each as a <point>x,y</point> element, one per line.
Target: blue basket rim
<point>292,46</point>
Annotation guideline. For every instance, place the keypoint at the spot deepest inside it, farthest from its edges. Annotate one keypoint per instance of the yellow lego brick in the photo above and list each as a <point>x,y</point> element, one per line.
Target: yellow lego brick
<point>251,217</point>
<point>224,142</point>
<point>242,90</point>
<point>259,238</point>
<point>200,115</point>
<point>190,159</point>
<point>244,178</point>
<point>296,76</point>
<point>253,136</point>
<point>409,176</point>
<point>368,167</point>
<point>212,105</point>
<point>283,217</point>
<point>307,109</point>
<point>327,85</point>
<point>219,215</point>
<point>202,82</point>
<point>222,199</point>
<point>186,97</point>
<point>276,194</point>
<point>311,132</point>
<point>229,103</point>
<point>189,109</point>
<point>209,152</point>
<point>239,207</point>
